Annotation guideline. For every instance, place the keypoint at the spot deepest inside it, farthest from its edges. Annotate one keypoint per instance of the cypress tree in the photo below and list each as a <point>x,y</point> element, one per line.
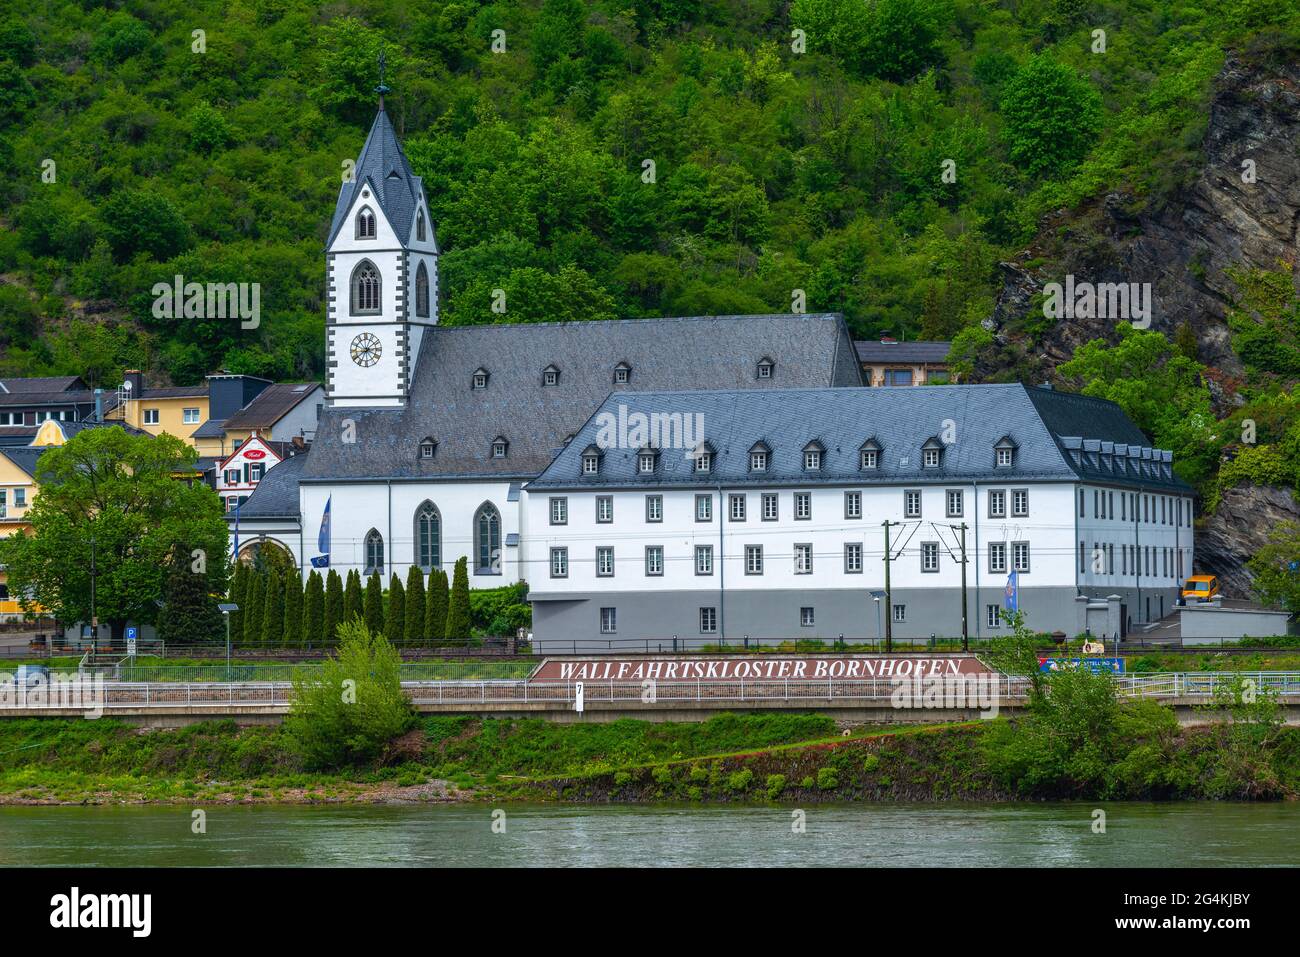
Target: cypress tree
<point>313,619</point>
<point>352,602</point>
<point>458,605</point>
<point>333,605</point>
<point>435,606</point>
<point>273,610</point>
<point>395,620</point>
<point>292,609</point>
<point>375,604</point>
<point>415,609</point>
<point>253,607</point>
<point>188,615</point>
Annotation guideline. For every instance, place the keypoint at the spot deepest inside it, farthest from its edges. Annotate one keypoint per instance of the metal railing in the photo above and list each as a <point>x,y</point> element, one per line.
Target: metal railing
<point>275,696</point>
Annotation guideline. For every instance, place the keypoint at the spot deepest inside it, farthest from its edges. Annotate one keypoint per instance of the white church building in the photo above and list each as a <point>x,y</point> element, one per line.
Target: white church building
<point>755,505</point>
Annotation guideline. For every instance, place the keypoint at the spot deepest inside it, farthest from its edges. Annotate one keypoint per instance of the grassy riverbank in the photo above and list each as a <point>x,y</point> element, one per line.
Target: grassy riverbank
<point>731,758</point>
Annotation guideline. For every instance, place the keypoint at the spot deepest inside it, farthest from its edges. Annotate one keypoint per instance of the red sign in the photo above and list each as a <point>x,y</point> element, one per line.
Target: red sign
<point>740,667</point>
<point>254,454</point>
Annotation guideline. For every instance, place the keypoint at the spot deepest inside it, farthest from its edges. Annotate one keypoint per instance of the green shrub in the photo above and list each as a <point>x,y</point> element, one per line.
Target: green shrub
<point>346,710</point>
<point>740,780</point>
<point>775,785</point>
<point>827,779</point>
<point>871,763</point>
<point>621,778</point>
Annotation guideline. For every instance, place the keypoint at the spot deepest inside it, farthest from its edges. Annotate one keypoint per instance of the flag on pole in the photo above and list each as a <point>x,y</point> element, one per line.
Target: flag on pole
<point>323,539</point>
<point>1011,597</point>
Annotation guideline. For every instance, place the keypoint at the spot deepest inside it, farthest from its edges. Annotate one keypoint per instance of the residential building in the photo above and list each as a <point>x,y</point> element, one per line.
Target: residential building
<point>891,362</point>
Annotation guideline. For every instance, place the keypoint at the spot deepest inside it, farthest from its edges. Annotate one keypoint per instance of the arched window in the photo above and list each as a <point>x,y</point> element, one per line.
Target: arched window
<point>428,537</point>
<point>487,541</point>
<point>374,552</point>
<point>419,226</point>
<point>365,288</point>
<point>365,223</point>
<point>422,292</point>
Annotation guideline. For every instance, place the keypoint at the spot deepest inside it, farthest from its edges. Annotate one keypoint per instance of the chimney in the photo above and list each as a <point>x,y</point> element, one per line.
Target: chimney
<point>99,405</point>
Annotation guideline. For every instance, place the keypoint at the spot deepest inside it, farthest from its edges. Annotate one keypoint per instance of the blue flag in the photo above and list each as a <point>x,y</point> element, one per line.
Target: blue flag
<point>323,539</point>
<point>1011,597</point>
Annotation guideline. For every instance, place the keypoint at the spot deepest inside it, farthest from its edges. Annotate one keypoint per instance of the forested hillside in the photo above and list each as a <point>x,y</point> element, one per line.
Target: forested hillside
<point>625,158</point>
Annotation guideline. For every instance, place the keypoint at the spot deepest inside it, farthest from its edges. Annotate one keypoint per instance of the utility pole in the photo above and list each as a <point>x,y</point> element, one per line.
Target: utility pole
<point>889,601</point>
<point>965,628</point>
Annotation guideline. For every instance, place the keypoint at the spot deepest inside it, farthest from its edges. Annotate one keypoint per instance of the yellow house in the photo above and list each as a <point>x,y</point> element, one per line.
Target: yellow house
<point>176,410</point>
<point>17,491</point>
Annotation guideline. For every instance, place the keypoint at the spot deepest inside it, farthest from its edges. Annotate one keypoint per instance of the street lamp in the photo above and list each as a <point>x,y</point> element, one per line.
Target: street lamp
<point>226,607</point>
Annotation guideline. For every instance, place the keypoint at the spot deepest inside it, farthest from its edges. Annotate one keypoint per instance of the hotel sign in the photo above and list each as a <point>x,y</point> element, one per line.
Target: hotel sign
<point>741,667</point>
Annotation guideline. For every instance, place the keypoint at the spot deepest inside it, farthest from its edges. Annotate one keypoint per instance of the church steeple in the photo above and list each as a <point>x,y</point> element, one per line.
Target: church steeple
<point>382,269</point>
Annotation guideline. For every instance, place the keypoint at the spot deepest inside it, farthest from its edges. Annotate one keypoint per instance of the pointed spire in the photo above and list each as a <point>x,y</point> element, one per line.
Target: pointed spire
<point>381,89</point>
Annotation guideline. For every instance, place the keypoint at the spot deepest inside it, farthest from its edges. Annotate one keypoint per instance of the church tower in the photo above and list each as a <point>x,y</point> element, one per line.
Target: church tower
<point>382,276</point>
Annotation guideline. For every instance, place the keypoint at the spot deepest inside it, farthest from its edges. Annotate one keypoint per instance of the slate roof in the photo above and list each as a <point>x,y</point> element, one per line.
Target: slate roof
<point>901,421</point>
<point>930,352</point>
<point>30,398</point>
<point>211,429</point>
<point>696,352</point>
<point>25,456</point>
<point>276,496</point>
<point>62,383</point>
<point>396,187</point>
<point>271,404</point>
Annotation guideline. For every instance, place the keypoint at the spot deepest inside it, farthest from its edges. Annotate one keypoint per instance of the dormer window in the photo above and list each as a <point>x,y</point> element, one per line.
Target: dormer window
<point>812,456</point>
<point>480,379</point>
<point>869,455</point>
<point>419,226</point>
<point>765,368</point>
<point>1004,453</point>
<point>499,446</point>
<point>931,454</point>
<point>591,460</point>
<point>366,223</point>
<point>646,460</point>
<point>427,448</point>
<point>622,373</point>
<point>550,376</point>
<point>703,458</point>
<point>758,457</point>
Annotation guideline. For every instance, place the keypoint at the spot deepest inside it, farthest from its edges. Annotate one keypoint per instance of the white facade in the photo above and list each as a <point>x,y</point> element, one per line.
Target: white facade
<point>243,469</point>
<point>376,372</point>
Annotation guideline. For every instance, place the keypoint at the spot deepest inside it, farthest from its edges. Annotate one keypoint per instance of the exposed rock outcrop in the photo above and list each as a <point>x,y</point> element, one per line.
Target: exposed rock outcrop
<point>1237,529</point>
<point>1185,246</point>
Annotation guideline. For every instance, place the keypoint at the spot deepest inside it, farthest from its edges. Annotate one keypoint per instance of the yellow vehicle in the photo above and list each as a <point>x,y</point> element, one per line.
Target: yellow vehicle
<point>1201,588</point>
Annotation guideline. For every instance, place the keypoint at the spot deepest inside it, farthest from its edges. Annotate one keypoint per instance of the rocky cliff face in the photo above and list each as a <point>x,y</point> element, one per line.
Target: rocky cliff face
<point>1184,248</point>
<point>1237,529</point>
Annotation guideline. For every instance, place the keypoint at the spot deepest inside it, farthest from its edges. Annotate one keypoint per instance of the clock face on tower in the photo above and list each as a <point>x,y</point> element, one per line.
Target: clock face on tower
<point>366,350</point>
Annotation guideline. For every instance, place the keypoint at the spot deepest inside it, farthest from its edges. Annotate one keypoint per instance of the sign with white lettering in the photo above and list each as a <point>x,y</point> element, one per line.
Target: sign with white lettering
<point>740,667</point>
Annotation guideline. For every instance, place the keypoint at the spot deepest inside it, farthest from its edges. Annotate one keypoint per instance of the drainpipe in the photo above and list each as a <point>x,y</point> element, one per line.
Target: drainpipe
<point>722,567</point>
<point>388,554</point>
<point>1137,550</point>
<point>975,506</point>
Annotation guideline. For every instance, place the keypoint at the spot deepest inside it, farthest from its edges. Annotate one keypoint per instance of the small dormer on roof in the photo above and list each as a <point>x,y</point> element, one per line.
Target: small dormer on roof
<point>479,380</point>
<point>765,368</point>
<point>428,447</point>
<point>500,446</point>
<point>591,458</point>
<point>869,454</point>
<point>932,453</point>
<point>647,459</point>
<point>1004,452</point>
<point>622,373</point>
<point>814,454</point>
<point>703,456</point>
<point>551,375</point>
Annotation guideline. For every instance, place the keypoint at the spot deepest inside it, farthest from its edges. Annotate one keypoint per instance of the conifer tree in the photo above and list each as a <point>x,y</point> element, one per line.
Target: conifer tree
<point>396,618</point>
<point>189,614</point>
<point>352,601</point>
<point>414,605</point>
<point>435,606</point>
<point>273,610</point>
<point>375,604</point>
<point>313,621</point>
<point>292,609</point>
<point>253,607</point>
<point>458,628</point>
<point>238,591</point>
<point>333,605</point>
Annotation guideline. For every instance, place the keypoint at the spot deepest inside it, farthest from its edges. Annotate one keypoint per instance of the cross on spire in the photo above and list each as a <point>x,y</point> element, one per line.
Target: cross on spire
<point>381,89</point>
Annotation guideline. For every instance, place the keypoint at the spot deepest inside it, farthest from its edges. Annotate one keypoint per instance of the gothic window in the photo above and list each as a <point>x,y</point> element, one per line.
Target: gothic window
<point>419,226</point>
<point>365,223</point>
<point>428,537</point>
<point>365,289</point>
<point>374,552</point>
<point>487,541</point>
<point>422,292</point>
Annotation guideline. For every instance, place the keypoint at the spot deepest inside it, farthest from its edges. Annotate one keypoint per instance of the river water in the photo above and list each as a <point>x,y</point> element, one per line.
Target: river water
<point>1039,835</point>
